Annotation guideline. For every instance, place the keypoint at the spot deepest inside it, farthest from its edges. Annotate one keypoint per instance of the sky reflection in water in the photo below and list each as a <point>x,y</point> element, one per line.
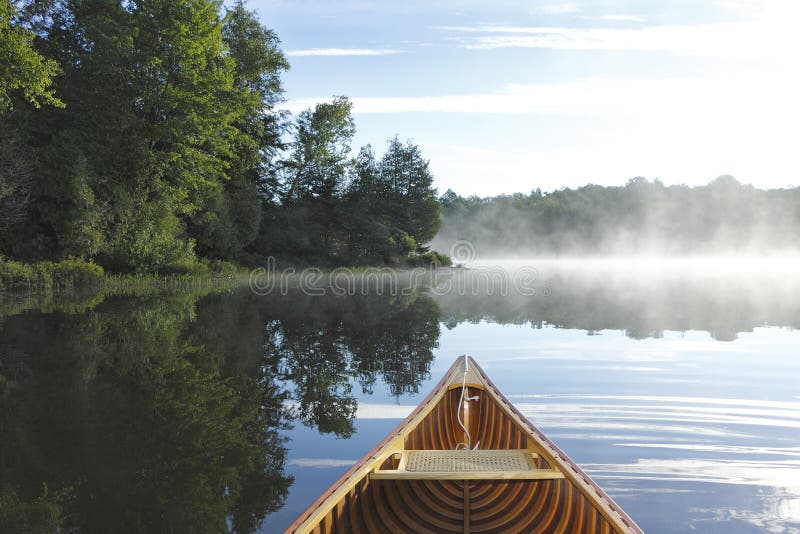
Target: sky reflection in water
<point>694,430</point>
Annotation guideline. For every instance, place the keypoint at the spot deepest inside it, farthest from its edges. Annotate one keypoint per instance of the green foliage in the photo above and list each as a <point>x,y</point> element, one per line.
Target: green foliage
<point>256,51</point>
<point>15,180</point>
<point>16,275</point>
<point>223,268</point>
<point>430,258</point>
<point>393,204</point>
<point>411,202</point>
<point>75,273</point>
<point>338,211</point>
<point>65,274</point>
<point>179,155</point>
<point>310,218</point>
<point>47,276</point>
<point>318,161</point>
<point>22,68</point>
<point>134,171</point>
<point>184,96</point>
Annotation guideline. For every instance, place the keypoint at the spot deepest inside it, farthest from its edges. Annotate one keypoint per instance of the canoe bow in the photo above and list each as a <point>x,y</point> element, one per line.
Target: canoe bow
<point>414,480</point>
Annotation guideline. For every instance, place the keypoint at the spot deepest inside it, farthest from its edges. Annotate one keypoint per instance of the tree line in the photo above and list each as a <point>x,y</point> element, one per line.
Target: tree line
<point>146,135</point>
<point>640,217</point>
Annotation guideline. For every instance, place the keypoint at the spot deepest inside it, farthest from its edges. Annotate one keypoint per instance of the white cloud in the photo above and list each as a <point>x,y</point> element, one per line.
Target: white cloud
<point>580,96</point>
<point>312,52</point>
<point>545,98</point>
<point>697,97</point>
<point>720,39</point>
<point>499,28</point>
<point>761,33</point>
<point>619,18</point>
<point>556,9</point>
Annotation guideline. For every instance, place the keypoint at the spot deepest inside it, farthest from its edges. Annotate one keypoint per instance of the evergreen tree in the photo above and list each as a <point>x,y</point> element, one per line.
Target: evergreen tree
<point>411,202</point>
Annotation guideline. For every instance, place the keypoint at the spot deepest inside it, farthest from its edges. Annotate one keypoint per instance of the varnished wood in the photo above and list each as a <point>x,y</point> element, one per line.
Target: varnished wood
<point>519,458</point>
<point>467,507</point>
<point>364,501</point>
<point>394,474</point>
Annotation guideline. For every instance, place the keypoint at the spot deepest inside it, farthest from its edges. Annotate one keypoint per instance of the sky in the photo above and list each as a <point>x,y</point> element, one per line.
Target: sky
<point>511,95</point>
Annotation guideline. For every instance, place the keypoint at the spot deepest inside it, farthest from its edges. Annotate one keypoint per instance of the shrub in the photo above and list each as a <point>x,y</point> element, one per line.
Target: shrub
<point>15,275</point>
<point>189,266</point>
<point>430,259</point>
<point>47,274</point>
<point>223,268</point>
<point>76,273</point>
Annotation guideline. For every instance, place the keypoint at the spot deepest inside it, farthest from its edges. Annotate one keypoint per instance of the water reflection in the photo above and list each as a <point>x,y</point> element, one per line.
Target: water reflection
<point>171,410</point>
<point>166,412</point>
<point>325,344</point>
<point>118,418</point>
<point>643,304</point>
<point>731,443</point>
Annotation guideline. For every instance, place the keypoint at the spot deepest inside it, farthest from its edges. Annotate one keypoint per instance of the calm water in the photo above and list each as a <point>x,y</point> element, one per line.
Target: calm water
<point>678,391</point>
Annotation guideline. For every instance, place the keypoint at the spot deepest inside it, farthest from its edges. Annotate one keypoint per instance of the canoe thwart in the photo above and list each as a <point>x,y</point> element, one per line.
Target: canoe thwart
<point>486,464</point>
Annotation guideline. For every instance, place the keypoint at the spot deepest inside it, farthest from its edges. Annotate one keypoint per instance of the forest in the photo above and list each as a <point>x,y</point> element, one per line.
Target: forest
<point>146,136</point>
<point>641,217</point>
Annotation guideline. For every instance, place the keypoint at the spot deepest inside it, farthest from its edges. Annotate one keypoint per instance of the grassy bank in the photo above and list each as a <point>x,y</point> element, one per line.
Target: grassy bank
<point>67,274</point>
<point>73,274</point>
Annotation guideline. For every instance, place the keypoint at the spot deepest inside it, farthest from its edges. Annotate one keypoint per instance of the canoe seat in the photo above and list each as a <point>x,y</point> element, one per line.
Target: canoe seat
<point>484,464</point>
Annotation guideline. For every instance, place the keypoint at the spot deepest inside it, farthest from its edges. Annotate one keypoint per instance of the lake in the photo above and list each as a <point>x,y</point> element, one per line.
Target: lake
<point>676,388</point>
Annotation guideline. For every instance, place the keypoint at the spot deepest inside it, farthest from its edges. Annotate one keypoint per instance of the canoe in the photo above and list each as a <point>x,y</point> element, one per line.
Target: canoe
<point>465,460</point>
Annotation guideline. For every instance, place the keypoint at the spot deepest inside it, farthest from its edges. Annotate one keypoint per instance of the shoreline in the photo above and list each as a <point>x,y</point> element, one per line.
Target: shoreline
<point>19,279</point>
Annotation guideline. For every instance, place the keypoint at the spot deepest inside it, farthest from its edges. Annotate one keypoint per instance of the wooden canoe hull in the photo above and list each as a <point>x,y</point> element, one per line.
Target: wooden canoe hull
<point>356,503</point>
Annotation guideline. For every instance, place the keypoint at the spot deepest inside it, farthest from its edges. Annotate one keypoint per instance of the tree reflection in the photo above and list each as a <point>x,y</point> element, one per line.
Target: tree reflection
<point>118,409</point>
<point>166,412</point>
<point>643,305</point>
<point>324,344</point>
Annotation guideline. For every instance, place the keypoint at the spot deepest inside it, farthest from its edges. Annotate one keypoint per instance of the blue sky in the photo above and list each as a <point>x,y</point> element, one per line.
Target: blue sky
<point>508,96</point>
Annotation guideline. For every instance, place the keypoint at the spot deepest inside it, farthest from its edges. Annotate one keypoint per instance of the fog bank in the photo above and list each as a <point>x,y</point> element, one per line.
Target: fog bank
<point>639,218</point>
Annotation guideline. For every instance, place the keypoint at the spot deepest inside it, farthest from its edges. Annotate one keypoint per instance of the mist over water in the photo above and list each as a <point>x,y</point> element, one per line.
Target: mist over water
<point>641,218</point>
<point>641,297</point>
